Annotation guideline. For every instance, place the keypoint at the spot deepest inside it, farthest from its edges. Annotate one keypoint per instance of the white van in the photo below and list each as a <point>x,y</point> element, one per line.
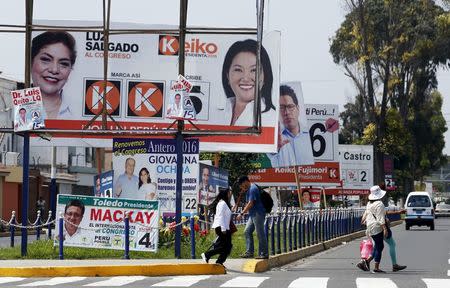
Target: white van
<point>419,210</point>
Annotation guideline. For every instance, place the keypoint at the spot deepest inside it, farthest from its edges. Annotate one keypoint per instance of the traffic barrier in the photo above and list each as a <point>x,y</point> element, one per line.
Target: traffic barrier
<point>287,230</point>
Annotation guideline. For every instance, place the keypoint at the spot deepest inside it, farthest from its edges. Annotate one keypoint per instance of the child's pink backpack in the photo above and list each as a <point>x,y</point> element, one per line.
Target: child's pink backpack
<point>366,247</point>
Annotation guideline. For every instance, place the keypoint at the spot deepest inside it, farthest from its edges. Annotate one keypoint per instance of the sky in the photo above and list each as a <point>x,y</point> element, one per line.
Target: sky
<point>306,29</point>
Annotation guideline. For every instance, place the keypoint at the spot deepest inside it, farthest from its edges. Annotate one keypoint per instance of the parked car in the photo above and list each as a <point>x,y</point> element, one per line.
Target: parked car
<point>419,210</point>
<point>442,210</point>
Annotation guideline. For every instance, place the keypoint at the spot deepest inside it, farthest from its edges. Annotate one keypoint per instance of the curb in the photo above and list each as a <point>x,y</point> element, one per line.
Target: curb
<point>115,270</point>
<point>258,266</point>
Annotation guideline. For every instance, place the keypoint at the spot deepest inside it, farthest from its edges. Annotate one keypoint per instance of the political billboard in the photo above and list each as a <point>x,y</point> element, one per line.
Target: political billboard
<point>146,169</point>
<point>142,69</point>
<point>210,180</point>
<point>316,138</point>
<point>28,109</point>
<point>294,143</point>
<point>103,184</point>
<point>94,222</point>
<point>356,168</point>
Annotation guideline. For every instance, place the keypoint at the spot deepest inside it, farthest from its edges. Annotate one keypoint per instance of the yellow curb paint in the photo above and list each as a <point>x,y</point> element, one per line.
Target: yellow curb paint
<point>255,266</point>
<point>113,270</point>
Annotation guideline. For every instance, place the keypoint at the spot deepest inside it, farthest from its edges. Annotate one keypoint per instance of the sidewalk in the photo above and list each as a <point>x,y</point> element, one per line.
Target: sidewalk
<point>159,267</point>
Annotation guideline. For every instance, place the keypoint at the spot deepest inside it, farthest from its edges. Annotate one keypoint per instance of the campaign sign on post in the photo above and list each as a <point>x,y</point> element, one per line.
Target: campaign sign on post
<point>181,105</point>
<point>95,222</point>
<point>356,168</point>
<point>147,169</point>
<point>210,180</point>
<point>103,184</point>
<point>27,109</point>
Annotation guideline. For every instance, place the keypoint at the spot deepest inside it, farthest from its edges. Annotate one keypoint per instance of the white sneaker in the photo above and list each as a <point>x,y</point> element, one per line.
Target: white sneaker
<point>204,258</point>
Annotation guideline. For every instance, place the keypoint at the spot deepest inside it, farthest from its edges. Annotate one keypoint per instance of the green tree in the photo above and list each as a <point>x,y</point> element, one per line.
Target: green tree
<point>391,50</point>
<point>237,164</point>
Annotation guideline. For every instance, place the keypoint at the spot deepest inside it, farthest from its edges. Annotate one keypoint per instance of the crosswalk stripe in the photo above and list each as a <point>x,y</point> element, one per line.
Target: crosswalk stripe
<point>10,279</point>
<point>181,281</point>
<point>54,281</point>
<point>437,283</point>
<point>306,282</point>
<point>375,283</point>
<point>244,281</point>
<point>116,281</point>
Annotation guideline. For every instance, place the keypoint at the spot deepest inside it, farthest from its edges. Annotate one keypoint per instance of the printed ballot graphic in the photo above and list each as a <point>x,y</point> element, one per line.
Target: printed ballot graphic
<point>96,91</point>
<point>28,109</point>
<point>145,99</point>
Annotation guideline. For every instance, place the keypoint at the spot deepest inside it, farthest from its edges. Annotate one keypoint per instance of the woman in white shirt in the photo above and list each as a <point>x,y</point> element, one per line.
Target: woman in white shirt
<point>221,225</point>
<point>374,216</point>
<point>147,189</point>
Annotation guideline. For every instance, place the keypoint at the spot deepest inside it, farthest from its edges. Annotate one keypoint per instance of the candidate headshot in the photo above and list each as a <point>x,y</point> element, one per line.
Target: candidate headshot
<point>73,214</point>
<point>294,141</point>
<point>239,82</point>
<point>53,56</point>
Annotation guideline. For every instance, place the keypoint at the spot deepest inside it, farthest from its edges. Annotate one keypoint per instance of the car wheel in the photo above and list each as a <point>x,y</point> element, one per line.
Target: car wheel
<point>406,226</point>
<point>432,227</point>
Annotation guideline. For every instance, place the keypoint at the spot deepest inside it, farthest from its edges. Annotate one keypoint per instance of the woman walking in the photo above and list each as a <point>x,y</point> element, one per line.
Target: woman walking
<point>376,228</point>
<point>221,224</point>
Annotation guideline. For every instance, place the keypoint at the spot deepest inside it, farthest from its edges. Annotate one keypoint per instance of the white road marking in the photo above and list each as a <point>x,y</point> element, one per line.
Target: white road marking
<point>54,281</point>
<point>437,283</point>
<point>244,281</point>
<point>181,281</point>
<point>117,281</point>
<point>10,279</point>
<point>375,283</point>
<point>307,282</point>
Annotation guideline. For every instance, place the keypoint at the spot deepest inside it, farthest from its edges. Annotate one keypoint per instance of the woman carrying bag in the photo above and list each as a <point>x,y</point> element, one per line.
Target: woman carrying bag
<point>221,224</point>
<point>374,217</point>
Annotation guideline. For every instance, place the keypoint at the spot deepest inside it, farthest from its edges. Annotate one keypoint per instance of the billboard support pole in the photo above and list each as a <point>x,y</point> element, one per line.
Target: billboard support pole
<point>26,135</point>
<point>53,182</point>
<point>25,192</point>
<point>179,135</point>
<point>299,189</point>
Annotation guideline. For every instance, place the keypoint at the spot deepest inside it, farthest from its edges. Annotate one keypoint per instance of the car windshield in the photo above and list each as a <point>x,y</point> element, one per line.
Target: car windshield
<point>442,206</point>
<point>419,201</point>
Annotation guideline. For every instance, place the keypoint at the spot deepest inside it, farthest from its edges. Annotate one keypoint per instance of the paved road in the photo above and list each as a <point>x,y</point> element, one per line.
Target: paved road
<point>427,254</point>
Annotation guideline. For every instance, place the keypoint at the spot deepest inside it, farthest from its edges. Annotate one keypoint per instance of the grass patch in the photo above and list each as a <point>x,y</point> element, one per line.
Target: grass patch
<point>44,249</point>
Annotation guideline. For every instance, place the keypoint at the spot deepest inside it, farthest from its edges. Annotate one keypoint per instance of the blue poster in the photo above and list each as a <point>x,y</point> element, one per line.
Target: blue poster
<point>210,179</point>
<point>103,184</point>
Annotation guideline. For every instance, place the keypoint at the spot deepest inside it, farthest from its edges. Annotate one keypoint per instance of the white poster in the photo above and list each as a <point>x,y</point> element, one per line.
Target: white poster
<point>356,168</point>
<point>141,69</point>
<point>147,169</point>
<point>323,123</point>
<point>95,222</point>
<point>28,109</point>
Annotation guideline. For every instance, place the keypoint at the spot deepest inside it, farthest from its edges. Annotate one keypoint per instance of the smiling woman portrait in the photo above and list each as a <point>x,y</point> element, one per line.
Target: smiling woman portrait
<point>239,81</point>
<point>53,55</point>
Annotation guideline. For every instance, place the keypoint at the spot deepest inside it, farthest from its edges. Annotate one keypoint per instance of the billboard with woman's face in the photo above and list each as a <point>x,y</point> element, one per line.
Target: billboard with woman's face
<point>68,67</point>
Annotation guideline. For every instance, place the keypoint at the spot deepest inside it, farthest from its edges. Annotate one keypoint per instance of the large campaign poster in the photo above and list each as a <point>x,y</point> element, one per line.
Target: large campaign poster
<point>141,70</point>
<point>146,169</point>
<point>210,180</point>
<point>103,184</point>
<point>27,109</point>
<point>95,222</point>
<point>294,142</point>
<point>356,168</point>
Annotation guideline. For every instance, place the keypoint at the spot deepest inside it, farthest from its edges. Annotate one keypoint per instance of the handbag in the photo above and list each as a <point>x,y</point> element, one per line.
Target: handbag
<point>233,227</point>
